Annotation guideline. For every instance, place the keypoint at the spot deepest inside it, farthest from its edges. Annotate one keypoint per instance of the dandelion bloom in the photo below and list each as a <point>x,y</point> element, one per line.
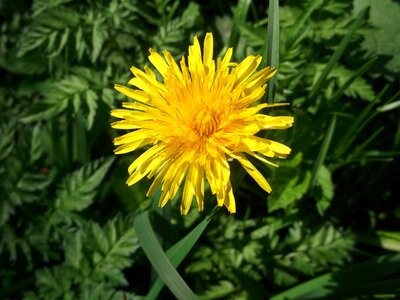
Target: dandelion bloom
<point>202,114</point>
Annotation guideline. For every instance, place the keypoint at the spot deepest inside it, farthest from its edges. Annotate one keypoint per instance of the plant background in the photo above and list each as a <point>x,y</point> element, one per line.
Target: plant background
<point>67,228</point>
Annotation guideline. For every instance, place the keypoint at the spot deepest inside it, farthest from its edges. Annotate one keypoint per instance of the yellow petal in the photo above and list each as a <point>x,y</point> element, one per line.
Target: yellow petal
<point>171,62</point>
<point>125,124</point>
<point>158,62</point>
<point>145,157</point>
<point>133,94</point>
<point>276,122</point>
<point>253,172</point>
<point>229,201</point>
<point>227,57</point>
<point>129,147</point>
<point>188,192</point>
<point>132,137</point>
<point>194,59</point>
<point>246,68</point>
<point>144,169</point>
<point>208,53</point>
<point>259,79</point>
<point>198,178</point>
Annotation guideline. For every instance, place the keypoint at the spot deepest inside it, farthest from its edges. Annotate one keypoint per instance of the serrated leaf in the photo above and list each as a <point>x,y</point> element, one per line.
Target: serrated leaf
<point>293,191</point>
<point>73,249</point>
<point>36,149</point>
<point>358,88</point>
<point>40,6</point>
<point>6,142</point>
<point>91,102</point>
<point>99,35</point>
<point>54,282</point>
<point>79,188</point>
<point>219,291</point>
<point>63,41</point>
<point>112,248</point>
<point>324,189</point>
<point>190,14</point>
<point>33,182</point>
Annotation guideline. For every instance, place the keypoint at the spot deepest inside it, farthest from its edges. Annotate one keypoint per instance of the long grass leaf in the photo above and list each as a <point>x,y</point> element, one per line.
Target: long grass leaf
<point>239,17</point>
<point>361,120</point>
<point>304,17</point>
<point>388,240</point>
<point>367,142</point>
<point>273,45</point>
<point>178,252</point>
<point>159,260</point>
<point>335,57</point>
<point>343,283</point>
<point>323,151</point>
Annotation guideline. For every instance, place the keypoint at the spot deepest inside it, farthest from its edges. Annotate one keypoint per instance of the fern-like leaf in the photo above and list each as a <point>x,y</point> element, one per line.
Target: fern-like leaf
<point>79,188</point>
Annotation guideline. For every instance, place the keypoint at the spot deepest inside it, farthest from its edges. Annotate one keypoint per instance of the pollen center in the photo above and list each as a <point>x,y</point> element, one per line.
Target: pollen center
<point>205,123</point>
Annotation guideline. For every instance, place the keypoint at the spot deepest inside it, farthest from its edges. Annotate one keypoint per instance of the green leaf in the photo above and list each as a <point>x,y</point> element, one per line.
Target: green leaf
<point>336,285</point>
<point>323,189</point>
<point>384,40</point>
<point>6,141</point>
<point>31,182</point>
<point>159,260</point>
<point>239,16</point>
<point>73,249</point>
<point>273,45</point>
<point>294,190</point>
<point>36,143</point>
<point>91,102</point>
<point>336,56</point>
<point>348,82</point>
<point>40,6</point>
<point>178,252</point>
<point>111,248</point>
<point>79,188</point>
<point>190,14</point>
<point>63,41</point>
<point>362,119</point>
<point>323,151</point>
<point>389,106</point>
<point>388,240</point>
<point>55,282</point>
<point>219,291</point>
<point>99,36</point>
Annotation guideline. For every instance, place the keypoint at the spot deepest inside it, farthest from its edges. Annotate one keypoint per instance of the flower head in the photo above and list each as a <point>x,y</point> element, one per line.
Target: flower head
<point>202,114</point>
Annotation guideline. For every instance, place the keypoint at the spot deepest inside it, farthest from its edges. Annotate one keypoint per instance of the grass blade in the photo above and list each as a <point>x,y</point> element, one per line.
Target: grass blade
<point>388,240</point>
<point>336,56</point>
<point>273,45</point>
<point>239,17</point>
<point>362,119</point>
<point>345,282</point>
<point>159,260</point>
<point>323,151</point>
<point>178,252</point>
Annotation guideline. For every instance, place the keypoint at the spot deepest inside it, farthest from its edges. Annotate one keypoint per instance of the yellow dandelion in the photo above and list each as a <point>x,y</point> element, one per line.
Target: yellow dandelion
<point>201,115</point>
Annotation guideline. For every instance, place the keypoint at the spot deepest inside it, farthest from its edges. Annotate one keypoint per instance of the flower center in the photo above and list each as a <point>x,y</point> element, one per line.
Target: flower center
<point>205,123</point>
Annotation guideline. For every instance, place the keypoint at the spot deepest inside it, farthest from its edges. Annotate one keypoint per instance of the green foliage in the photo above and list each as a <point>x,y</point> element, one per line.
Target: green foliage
<point>78,190</point>
<point>71,229</point>
<point>385,35</point>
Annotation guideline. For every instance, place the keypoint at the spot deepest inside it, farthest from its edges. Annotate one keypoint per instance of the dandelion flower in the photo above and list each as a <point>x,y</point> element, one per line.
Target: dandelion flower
<point>202,114</point>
